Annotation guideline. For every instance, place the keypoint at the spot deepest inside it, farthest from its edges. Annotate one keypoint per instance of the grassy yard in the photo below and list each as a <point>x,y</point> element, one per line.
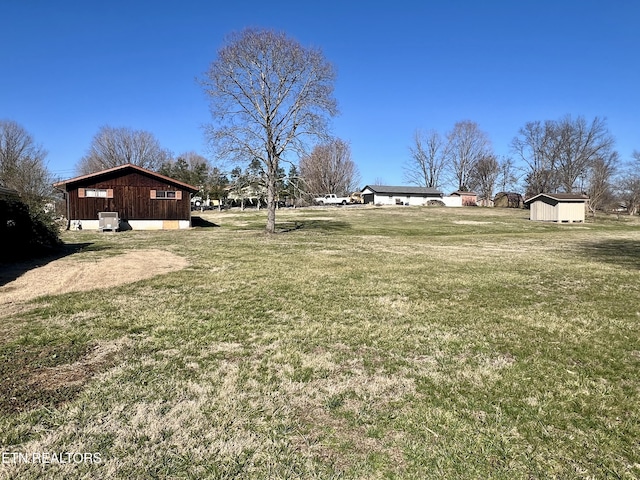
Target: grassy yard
<point>357,343</point>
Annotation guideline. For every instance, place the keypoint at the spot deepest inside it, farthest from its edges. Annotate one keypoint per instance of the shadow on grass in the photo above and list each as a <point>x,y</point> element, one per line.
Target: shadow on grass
<point>202,223</point>
<point>625,253</point>
<point>328,226</point>
<point>11,271</point>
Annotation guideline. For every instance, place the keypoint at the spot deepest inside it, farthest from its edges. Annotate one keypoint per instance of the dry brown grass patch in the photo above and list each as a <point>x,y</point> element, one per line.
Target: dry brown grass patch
<point>79,372</point>
<point>76,274</point>
<point>36,377</point>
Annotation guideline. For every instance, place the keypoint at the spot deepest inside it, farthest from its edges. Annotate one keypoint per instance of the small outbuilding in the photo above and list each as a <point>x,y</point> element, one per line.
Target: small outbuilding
<point>469,199</point>
<point>142,199</point>
<point>508,200</point>
<point>557,207</point>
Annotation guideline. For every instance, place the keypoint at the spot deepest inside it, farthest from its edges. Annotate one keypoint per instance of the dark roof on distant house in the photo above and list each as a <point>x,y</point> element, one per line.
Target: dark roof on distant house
<point>123,169</point>
<point>508,194</point>
<point>560,197</point>
<point>400,190</point>
<point>464,194</point>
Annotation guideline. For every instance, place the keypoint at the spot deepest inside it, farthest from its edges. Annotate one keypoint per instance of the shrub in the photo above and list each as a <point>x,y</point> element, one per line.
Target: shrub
<point>26,233</point>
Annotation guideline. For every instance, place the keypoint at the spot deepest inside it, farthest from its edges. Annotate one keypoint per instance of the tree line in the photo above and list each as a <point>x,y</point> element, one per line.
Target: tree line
<point>328,168</point>
<point>565,155</point>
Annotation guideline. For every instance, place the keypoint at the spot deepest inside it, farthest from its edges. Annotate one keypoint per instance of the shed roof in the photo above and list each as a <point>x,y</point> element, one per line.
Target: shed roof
<point>402,190</point>
<point>507,194</point>
<point>560,197</point>
<point>123,168</point>
<point>462,193</point>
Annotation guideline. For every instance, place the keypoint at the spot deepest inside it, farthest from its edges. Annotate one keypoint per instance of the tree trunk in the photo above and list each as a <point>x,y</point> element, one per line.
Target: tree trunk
<point>271,204</point>
<point>272,178</point>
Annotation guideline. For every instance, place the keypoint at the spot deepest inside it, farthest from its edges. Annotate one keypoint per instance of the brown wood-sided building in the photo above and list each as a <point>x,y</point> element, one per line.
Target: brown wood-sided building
<point>144,200</point>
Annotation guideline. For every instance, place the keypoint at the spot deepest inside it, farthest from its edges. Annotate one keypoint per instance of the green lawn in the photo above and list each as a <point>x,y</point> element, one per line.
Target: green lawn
<point>357,343</point>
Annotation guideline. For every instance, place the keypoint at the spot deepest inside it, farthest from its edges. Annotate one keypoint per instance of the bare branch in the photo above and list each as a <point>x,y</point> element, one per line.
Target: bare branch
<point>22,164</point>
<point>111,147</point>
<point>427,160</point>
<point>268,96</point>
<point>329,169</point>
<point>466,145</point>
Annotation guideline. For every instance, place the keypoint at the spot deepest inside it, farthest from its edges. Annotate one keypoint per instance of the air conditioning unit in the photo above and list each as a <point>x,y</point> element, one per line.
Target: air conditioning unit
<point>108,221</point>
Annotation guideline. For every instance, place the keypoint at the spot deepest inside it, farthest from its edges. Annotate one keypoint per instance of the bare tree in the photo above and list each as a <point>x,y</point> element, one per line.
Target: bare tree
<point>112,147</point>
<point>22,164</point>
<point>466,144</point>
<point>194,160</point>
<point>330,169</point>
<point>558,153</point>
<point>427,159</point>
<point>601,172</point>
<point>629,185</point>
<point>508,175</point>
<point>268,95</point>
<point>484,176</point>
<point>578,145</point>
<point>533,146</point>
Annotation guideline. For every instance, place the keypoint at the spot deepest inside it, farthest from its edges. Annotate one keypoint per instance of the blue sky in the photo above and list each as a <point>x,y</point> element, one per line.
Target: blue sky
<point>69,67</point>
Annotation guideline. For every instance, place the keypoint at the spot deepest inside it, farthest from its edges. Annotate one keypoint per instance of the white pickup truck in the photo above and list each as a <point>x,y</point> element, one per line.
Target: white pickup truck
<point>332,199</point>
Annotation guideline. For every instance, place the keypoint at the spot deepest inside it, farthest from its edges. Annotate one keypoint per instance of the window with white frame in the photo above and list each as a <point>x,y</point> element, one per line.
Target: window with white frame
<point>95,192</point>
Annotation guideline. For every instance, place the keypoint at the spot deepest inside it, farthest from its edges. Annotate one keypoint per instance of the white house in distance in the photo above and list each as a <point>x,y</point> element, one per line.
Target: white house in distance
<point>557,207</point>
<point>402,195</point>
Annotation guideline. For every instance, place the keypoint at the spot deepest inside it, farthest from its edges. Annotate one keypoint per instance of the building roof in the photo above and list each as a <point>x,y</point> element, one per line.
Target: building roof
<point>401,190</point>
<point>465,194</point>
<point>507,194</point>
<point>8,192</point>
<point>560,197</point>
<point>123,168</point>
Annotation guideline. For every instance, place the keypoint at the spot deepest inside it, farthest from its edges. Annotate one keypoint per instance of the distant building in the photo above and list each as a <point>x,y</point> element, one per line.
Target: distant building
<point>508,200</point>
<point>469,199</point>
<point>399,195</point>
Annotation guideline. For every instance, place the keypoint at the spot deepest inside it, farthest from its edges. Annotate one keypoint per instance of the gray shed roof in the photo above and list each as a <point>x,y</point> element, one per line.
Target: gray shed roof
<point>560,197</point>
<point>400,190</point>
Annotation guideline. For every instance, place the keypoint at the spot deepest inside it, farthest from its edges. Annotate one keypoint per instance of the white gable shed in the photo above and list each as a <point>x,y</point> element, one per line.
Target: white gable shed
<point>557,207</point>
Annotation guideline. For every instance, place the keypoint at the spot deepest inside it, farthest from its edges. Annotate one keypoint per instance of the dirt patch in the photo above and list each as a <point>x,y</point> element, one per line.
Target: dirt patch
<point>34,376</point>
<point>70,274</point>
<point>470,222</point>
<point>77,373</point>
